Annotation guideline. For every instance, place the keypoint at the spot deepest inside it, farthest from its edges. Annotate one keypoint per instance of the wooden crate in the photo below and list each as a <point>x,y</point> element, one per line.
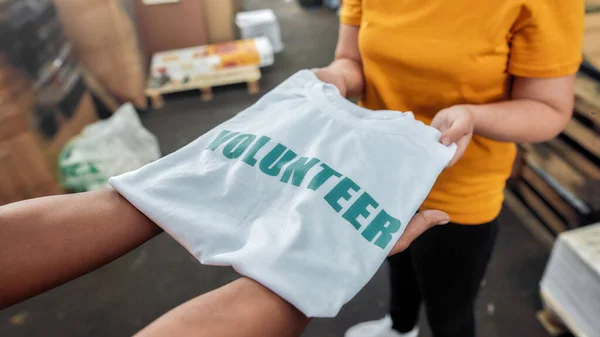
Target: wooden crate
<point>559,180</point>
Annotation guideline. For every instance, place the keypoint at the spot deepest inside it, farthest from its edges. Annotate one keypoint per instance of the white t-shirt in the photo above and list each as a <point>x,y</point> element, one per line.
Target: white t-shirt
<point>304,192</point>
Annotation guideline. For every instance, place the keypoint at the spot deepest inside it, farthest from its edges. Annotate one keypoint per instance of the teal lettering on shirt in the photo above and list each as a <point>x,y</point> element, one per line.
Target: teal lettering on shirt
<point>249,157</point>
<point>384,224</point>
<point>238,145</point>
<point>341,191</point>
<point>359,208</point>
<point>379,231</point>
<point>321,177</point>
<point>224,136</point>
<point>297,170</point>
<point>271,164</point>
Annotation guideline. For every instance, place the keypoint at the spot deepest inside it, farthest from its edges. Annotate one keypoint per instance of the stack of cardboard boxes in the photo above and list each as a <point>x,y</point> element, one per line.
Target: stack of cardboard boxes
<point>43,101</point>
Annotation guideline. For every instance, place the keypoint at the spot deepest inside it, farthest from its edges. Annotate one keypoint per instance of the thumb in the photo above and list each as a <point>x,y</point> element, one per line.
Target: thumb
<point>419,223</point>
<point>331,76</point>
<point>454,133</point>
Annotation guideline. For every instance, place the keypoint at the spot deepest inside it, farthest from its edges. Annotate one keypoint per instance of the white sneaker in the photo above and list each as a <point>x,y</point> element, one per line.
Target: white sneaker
<point>379,328</point>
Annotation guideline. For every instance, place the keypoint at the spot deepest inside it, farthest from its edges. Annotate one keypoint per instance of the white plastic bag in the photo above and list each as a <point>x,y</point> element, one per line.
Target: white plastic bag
<point>107,148</point>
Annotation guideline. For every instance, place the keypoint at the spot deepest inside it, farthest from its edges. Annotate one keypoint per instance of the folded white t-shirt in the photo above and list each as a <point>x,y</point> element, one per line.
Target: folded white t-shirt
<point>304,192</point>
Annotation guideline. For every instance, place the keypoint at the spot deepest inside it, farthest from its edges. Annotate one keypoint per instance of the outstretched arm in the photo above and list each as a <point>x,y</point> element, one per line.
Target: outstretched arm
<point>244,308</point>
<point>46,242</point>
<point>49,241</point>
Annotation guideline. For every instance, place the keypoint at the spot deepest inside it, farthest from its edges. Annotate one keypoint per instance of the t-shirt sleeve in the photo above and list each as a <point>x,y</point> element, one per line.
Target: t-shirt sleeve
<point>351,12</point>
<point>547,39</point>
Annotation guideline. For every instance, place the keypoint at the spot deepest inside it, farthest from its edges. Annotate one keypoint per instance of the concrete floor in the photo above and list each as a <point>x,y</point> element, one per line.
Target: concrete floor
<point>122,297</point>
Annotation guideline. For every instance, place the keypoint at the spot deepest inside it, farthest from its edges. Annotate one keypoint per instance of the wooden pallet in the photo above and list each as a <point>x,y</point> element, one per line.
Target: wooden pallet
<point>205,83</point>
<point>559,181</point>
<point>555,320</point>
<point>551,323</point>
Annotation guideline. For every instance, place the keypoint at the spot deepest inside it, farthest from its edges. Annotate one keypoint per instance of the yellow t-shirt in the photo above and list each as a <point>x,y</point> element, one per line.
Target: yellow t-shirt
<point>426,55</point>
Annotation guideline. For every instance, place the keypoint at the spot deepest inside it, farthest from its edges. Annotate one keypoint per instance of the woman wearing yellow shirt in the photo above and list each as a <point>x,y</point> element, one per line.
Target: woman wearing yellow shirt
<point>485,73</point>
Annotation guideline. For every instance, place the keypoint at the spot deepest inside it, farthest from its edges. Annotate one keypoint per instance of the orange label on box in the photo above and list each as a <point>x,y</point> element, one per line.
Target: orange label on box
<point>232,54</point>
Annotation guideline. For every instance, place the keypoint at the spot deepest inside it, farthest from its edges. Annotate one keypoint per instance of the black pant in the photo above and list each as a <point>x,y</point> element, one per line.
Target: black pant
<point>443,268</point>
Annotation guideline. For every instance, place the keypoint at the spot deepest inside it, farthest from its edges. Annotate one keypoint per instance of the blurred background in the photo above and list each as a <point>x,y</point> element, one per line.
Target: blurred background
<point>95,88</point>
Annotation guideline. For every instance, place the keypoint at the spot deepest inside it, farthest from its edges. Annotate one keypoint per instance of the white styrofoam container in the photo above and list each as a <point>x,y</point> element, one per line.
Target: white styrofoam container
<point>265,50</point>
<point>258,23</point>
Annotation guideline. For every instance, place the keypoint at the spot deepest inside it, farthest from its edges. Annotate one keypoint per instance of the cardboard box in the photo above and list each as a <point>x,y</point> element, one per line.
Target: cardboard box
<point>104,39</point>
<point>28,162</point>
<point>10,187</point>
<point>24,171</point>
<point>220,19</point>
<point>210,60</point>
<point>170,26</point>
<point>16,101</point>
<point>12,124</point>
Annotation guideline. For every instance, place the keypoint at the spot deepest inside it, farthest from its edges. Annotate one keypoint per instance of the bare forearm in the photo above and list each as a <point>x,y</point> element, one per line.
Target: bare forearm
<point>539,109</point>
<point>48,241</point>
<point>520,121</point>
<point>243,308</point>
<point>346,71</point>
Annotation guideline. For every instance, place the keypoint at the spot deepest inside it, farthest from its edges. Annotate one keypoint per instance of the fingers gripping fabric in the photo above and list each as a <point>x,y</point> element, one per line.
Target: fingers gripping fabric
<point>304,191</point>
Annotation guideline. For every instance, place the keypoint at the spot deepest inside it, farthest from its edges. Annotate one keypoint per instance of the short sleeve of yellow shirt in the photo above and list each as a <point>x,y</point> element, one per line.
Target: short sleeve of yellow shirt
<point>424,56</point>
<point>351,12</point>
<point>542,35</point>
<point>546,40</point>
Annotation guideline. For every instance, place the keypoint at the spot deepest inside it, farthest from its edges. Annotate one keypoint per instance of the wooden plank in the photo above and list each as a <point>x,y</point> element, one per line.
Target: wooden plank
<point>218,78</point>
<point>550,323</point>
<point>587,99</point>
<point>576,159</point>
<point>589,112</point>
<point>157,101</point>
<point>253,87</point>
<point>207,94</point>
<point>551,197</point>
<point>531,223</point>
<point>584,136</point>
<point>517,168</point>
<point>537,205</point>
<point>591,47</point>
<point>556,308</point>
<point>563,178</point>
<point>590,193</point>
<point>542,157</point>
